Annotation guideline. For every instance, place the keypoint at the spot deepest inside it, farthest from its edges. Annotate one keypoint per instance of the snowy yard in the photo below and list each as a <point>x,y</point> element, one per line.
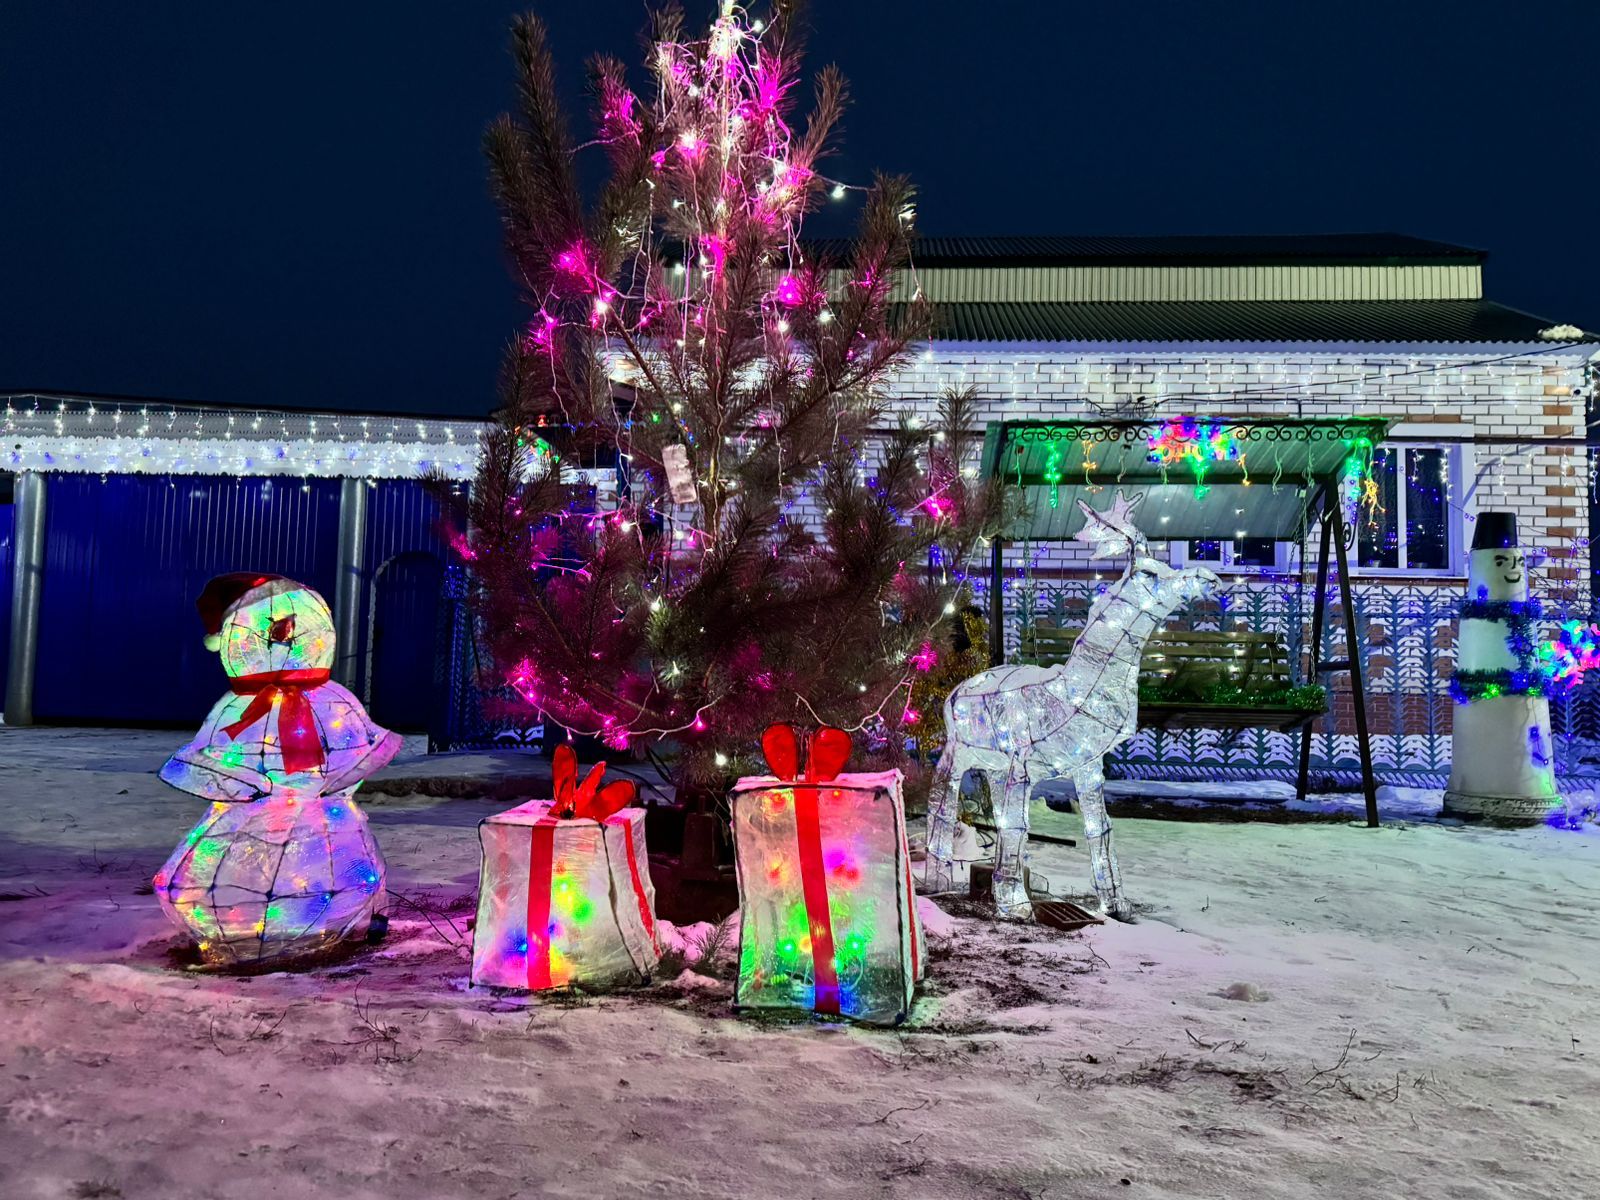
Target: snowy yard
<point>1303,1010</point>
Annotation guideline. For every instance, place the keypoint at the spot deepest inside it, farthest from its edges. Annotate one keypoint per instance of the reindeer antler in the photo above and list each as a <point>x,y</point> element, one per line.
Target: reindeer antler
<point>1116,520</point>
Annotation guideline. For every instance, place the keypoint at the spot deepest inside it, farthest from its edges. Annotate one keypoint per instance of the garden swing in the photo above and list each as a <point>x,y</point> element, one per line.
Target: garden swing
<point>1204,478</point>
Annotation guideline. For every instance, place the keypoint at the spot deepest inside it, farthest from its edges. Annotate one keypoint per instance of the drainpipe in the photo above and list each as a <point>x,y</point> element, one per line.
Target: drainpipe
<point>27,584</point>
<point>348,582</point>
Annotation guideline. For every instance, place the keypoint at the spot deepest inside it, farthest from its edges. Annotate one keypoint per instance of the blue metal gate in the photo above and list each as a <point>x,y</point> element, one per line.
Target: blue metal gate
<point>8,521</point>
<point>126,555</point>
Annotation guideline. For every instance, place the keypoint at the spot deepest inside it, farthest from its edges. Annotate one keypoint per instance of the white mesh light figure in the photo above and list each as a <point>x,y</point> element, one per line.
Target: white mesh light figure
<point>284,726</point>
<point>1023,725</point>
<point>283,866</point>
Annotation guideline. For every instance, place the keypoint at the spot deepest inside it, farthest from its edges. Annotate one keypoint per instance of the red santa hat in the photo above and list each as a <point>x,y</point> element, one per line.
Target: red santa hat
<point>220,595</point>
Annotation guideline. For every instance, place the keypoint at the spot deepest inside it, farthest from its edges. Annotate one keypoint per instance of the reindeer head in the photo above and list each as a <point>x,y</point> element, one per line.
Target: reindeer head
<point>1112,533</point>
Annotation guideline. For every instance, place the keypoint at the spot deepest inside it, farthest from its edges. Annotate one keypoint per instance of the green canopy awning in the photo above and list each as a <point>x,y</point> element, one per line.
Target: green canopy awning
<point>1202,477</point>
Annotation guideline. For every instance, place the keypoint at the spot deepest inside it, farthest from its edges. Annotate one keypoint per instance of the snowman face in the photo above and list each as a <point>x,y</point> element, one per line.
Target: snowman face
<point>281,626</point>
<point>1511,564</point>
<point>1499,574</point>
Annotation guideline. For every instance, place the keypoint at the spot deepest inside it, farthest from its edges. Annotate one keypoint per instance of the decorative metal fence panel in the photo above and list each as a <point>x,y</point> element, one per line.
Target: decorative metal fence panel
<point>1406,641</point>
<point>475,712</point>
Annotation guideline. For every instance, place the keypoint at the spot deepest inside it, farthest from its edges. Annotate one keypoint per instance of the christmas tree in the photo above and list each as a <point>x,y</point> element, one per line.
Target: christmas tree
<point>776,549</point>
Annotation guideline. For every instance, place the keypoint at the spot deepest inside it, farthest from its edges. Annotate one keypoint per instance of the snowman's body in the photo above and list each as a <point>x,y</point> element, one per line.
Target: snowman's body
<point>284,864</point>
<point>1502,759</point>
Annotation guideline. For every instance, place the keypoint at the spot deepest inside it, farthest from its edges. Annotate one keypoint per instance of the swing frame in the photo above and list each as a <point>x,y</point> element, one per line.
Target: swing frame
<point>1214,453</point>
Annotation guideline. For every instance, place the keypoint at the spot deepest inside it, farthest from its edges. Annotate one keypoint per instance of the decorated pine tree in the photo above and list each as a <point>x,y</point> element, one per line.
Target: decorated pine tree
<point>778,547</point>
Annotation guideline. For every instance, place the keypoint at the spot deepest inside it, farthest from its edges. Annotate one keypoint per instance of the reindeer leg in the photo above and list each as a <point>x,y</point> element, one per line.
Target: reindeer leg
<point>944,808</point>
<point>1090,781</point>
<point>1011,849</point>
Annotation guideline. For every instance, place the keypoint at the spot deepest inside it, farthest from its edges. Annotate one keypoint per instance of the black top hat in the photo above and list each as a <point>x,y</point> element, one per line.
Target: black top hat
<point>1495,531</point>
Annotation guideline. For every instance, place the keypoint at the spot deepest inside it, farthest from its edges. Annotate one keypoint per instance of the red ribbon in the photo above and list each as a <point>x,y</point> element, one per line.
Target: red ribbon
<point>541,873</point>
<point>587,799</point>
<point>297,727</point>
<point>814,883</point>
<point>645,915</point>
<point>911,899</point>
<point>826,754</point>
<point>541,856</point>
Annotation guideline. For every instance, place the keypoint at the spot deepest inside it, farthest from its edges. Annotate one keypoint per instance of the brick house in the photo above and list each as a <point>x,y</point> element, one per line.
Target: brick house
<point>1488,402</point>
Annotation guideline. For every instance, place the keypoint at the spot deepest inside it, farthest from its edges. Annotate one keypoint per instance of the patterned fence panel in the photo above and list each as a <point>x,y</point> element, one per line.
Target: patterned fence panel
<point>477,711</point>
<point>1406,639</point>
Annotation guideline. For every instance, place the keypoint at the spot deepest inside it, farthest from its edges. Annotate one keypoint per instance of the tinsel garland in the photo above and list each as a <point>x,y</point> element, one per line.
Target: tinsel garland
<point>1521,618</point>
<point>1467,686</point>
<point>1310,697</point>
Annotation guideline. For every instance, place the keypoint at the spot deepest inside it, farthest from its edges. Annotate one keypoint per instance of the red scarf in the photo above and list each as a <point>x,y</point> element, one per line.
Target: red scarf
<point>297,728</point>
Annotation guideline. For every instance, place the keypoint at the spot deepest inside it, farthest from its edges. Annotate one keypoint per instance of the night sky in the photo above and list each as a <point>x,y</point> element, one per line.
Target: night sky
<point>287,204</point>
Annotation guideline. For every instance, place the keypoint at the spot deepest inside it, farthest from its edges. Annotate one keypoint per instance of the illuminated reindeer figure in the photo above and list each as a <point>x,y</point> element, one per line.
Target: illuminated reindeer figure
<point>1024,725</point>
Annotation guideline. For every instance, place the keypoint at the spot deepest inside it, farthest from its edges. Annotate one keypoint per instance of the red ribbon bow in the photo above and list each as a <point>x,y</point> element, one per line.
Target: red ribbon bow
<point>827,751</point>
<point>297,727</point>
<point>587,799</point>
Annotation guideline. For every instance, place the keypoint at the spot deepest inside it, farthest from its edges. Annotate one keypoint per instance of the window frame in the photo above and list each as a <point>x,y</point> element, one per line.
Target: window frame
<point>1286,559</point>
<point>1455,525</point>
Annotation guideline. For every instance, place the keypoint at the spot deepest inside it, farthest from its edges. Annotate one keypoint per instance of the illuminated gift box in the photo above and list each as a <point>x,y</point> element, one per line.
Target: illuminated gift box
<point>566,899</point>
<point>828,914</point>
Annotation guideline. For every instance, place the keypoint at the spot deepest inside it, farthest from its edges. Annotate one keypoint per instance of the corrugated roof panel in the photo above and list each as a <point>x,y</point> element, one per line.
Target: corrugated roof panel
<point>1156,251</point>
<point>1273,321</point>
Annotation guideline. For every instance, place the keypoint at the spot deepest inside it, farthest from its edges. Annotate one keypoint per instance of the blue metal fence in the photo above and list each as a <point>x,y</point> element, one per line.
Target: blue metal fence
<point>404,568</point>
<point>1406,637</point>
<point>477,710</point>
<point>126,555</point>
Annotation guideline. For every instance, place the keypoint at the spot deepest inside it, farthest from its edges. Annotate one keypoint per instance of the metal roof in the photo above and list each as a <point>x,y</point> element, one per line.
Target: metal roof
<point>1379,249</point>
<point>1245,477</point>
<point>1272,321</point>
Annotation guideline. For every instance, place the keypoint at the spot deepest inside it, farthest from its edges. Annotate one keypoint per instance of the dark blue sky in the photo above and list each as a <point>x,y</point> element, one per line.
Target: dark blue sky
<point>286,203</point>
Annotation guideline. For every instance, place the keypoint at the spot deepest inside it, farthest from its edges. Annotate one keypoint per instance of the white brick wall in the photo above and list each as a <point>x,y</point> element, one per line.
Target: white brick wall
<point>1527,397</point>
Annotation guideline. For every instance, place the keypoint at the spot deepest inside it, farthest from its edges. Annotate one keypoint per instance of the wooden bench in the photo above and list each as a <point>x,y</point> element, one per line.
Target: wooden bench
<point>1257,662</point>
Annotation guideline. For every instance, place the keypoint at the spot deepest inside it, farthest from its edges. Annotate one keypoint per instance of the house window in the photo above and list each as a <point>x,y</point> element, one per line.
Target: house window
<point>1412,527</point>
<point>1239,552</point>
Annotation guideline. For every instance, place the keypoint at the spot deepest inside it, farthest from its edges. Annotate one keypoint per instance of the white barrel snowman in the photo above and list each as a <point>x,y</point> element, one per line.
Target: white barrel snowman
<point>1502,758</point>
<point>283,865</point>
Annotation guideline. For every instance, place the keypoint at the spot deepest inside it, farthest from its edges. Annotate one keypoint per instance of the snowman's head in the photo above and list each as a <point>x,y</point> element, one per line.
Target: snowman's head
<point>265,623</point>
<point>1497,568</point>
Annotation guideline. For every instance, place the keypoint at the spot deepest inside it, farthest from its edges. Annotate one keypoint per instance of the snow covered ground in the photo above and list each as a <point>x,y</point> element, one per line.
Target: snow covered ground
<point>1303,1010</point>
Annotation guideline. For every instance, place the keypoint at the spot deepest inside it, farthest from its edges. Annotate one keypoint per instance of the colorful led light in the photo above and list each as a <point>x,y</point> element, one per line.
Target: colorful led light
<point>279,758</point>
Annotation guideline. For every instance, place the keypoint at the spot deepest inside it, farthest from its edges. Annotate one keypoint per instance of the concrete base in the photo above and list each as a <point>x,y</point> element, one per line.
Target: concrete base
<point>1499,810</point>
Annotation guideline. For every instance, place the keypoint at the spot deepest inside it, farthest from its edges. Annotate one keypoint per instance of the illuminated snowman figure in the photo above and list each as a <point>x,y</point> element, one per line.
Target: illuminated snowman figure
<point>1501,765</point>
<point>283,865</point>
